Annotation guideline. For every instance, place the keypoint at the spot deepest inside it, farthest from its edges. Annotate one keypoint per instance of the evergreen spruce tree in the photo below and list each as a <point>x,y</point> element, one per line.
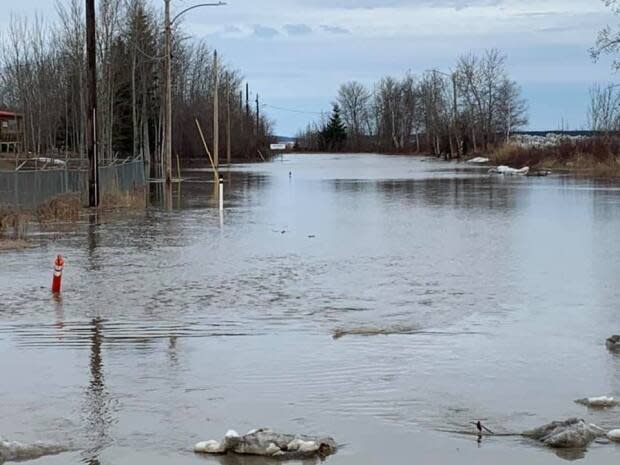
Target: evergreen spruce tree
<point>334,133</point>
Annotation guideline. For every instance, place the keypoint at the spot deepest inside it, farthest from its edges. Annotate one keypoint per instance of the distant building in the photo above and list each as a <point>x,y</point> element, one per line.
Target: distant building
<point>11,132</point>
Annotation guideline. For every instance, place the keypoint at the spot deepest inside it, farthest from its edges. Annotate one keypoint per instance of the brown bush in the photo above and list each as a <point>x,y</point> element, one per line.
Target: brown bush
<point>600,153</point>
<point>62,208</point>
<point>14,223</point>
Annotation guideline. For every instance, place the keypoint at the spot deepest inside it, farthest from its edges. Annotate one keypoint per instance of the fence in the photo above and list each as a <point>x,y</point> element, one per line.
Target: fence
<point>30,188</point>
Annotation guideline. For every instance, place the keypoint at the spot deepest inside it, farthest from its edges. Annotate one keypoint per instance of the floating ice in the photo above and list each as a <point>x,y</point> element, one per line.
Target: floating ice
<point>374,331</point>
<point>507,170</point>
<point>478,160</point>
<point>572,433</point>
<point>598,402</point>
<point>17,451</point>
<point>614,435</point>
<point>267,443</point>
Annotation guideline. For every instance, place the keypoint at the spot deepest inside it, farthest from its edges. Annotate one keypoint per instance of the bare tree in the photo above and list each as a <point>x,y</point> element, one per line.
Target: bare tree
<point>354,100</point>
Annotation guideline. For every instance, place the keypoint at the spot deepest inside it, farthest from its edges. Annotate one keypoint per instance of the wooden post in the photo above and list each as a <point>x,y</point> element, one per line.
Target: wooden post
<point>91,113</point>
<point>167,158</point>
<point>257,119</point>
<point>247,102</point>
<point>216,118</point>
<point>228,148</point>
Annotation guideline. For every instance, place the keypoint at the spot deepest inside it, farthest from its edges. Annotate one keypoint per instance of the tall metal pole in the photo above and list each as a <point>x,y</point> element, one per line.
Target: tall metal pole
<point>91,113</point>
<point>167,158</point>
<point>216,116</point>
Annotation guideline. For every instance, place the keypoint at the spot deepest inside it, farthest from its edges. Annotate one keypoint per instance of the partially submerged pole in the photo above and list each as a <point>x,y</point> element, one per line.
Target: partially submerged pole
<point>221,193</point>
<point>59,264</point>
<point>91,112</point>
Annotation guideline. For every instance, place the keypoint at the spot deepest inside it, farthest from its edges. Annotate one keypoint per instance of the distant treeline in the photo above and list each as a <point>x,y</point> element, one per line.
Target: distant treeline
<point>473,108</point>
<point>43,70</point>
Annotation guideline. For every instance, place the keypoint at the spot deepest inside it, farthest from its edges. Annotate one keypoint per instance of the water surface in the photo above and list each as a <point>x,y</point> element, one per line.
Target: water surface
<point>175,326</point>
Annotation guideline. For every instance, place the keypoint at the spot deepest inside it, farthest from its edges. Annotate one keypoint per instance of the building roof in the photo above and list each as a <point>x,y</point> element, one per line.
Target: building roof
<point>8,114</point>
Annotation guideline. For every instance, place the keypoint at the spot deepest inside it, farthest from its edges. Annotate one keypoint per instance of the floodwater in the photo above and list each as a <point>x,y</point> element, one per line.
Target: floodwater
<point>176,326</point>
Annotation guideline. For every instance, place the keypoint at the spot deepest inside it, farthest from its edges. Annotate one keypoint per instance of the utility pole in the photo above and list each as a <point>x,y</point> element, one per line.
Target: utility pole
<point>91,113</point>
<point>257,119</point>
<point>167,158</point>
<point>216,116</point>
<point>455,116</point>
<point>228,150</point>
<point>247,102</point>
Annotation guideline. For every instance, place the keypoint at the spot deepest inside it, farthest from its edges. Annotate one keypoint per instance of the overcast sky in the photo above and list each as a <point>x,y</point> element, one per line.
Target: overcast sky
<point>296,53</point>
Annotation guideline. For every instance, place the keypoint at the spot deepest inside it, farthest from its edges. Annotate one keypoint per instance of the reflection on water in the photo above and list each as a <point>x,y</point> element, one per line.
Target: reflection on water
<point>98,415</point>
<point>176,324</point>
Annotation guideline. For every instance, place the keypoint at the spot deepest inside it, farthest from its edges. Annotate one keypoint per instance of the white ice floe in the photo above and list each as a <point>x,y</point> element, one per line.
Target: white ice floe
<point>614,435</point>
<point>598,402</point>
<point>267,443</point>
<point>17,451</point>
<point>480,160</point>
<point>507,170</point>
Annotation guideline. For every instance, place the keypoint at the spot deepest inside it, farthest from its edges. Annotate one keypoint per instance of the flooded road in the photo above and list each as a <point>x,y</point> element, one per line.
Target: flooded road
<point>174,327</point>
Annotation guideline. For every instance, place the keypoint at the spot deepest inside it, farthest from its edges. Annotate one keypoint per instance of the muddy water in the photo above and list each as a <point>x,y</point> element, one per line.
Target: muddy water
<point>176,326</point>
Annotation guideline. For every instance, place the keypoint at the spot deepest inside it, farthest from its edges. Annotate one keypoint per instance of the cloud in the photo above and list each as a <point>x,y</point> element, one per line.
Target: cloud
<point>265,32</point>
<point>371,4</point>
<point>335,29</point>
<point>298,29</point>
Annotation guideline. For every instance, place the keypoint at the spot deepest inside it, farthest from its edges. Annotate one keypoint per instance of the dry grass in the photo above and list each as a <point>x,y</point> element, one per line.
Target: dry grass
<point>62,208</point>
<point>14,223</point>
<point>134,199</point>
<point>597,156</point>
<point>13,244</point>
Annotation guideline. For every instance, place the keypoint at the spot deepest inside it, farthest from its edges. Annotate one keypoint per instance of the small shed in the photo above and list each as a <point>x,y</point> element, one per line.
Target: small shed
<point>11,132</point>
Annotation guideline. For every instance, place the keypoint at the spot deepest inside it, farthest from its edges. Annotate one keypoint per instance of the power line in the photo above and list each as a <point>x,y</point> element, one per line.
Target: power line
<point>292,110</point>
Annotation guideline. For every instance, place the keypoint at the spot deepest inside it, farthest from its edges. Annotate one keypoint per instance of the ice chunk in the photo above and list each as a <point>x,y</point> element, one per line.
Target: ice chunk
<point>507,170</point>
<point>264,442</point>
<point>598,402</point>
<point>572,433</point>
<point>17,451</point>
<point>614,435</point>
<point>210,447</point>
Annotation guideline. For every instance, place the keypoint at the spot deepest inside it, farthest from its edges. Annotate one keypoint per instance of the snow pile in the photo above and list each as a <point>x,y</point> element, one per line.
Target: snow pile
<point>548,140</point>
<point>17,451</point>
<point>267,443</point>
<point>572,433</point>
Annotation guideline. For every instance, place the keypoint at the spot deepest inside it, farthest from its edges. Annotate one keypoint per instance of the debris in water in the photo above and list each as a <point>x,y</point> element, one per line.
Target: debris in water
<point>598,402</point>
<point>17,451</point>
<point>539,173</point>
<point>613,343</point>
<point>374,331</point>
<point>267,443</point>
<point>572,433</point>
<point>507,170</point>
